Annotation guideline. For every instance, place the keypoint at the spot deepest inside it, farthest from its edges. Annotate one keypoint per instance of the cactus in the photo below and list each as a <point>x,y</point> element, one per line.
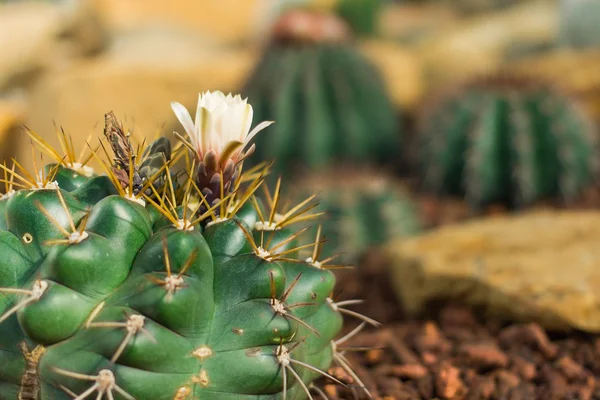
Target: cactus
<point>579,23</point>
<point>506,140</point>
<point>363,210</point>
<point>329,102</point>
<point>108,292</point>
<point>361,15</point>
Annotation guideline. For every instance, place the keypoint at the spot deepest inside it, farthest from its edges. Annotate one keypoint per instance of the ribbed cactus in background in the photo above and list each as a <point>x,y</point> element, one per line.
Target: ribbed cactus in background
<point>113,288</point>
<point>363,210</point>
<point>329,102</point>
<point>506,140</point>
<point>361,15</point>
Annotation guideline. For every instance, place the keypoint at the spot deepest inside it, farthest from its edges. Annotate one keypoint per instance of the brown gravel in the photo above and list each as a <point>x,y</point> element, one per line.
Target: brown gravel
<point>453,355</point>
<point>443,360</point>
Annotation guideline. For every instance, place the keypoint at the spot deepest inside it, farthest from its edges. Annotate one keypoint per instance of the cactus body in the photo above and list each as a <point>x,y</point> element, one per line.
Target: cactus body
<point>506,141</point>
<point>329,102</point>
<point>108,295</point>
<point>363,211</point>
<point>361,15</point>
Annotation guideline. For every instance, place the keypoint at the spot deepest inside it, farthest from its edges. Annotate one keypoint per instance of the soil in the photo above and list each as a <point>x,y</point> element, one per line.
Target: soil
<point>453,354</point>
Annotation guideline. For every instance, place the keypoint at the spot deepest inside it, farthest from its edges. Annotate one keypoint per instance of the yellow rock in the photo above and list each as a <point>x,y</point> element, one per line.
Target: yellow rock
<point>542,266</point>
<point>27,38</point>
<point>137,82</point>
<point>36,35</point>
<point>12,116</point>
<point>400,68</point>
<point>575,71</point>
<point>219,20</point>
<point>480,45</point>
<point>415,22</point>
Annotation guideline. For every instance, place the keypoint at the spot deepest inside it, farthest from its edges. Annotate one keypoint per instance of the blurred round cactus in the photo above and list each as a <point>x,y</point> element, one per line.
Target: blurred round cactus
<point>506,140</point>
<point>329,102</point>
<point>361,15</point>
<point>362,211</point>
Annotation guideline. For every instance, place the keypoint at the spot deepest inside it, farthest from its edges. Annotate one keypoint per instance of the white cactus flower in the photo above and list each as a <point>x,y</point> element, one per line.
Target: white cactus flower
<point>222,125</point>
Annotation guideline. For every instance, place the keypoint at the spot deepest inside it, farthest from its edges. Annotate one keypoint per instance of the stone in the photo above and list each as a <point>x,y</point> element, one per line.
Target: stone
<point>36,35</point>
<point>481,44</point>
<point>575,72</point>
<point>12,116</point>
<point>137,79</point>
<point>542,266</point>
<point>27,34</point>
<point>448,384</point>
<point>412,23</point>
<point>484,356</point>
<point>213,20</point>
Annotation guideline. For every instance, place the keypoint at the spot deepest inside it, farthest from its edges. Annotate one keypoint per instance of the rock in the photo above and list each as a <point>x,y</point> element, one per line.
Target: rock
<point>481,44</point>
<point>35,35</point>
<point>506,381</point>
<point>523,368</point>
<point>409,371</point>
<point>448,384</point>
<point>27,34</point>
<point>480,6</point>
<point>413,23</point>
<point>576,72</point>
<point>213,20</point>
<point>541,266</point>
<point>570,369</point>
<point>531,335</point>
<point>137,79</point>
<point>484,356</point>
<point>12,116</point>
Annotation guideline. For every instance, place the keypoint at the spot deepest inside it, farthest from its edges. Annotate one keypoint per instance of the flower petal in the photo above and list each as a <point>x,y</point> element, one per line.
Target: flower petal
<point>255,131</point>
<point>204,123</point>
<point>185,119</point>
<point>246,121</point>
<point>228,151</point>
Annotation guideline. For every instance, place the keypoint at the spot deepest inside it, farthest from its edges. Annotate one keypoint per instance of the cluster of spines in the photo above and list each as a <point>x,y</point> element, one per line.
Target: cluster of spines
<point>267,244</point>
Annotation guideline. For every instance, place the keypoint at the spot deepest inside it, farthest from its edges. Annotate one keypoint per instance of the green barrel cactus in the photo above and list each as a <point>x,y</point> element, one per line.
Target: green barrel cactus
<point>361,211</point>
<point>506,140</point>
<point>361,15</point>
<point>189,292</point>
<point>329,102</point>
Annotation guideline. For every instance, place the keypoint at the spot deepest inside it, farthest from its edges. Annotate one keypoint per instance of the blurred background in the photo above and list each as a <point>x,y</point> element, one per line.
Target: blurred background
<point>67,62</point>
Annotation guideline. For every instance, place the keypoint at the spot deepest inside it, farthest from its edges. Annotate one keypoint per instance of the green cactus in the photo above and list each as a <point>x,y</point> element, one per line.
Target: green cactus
<point>328,100</point>
<point>507,141</point>
<point>107,292</point>
<point>361,15</point>
<point>362,211</point>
